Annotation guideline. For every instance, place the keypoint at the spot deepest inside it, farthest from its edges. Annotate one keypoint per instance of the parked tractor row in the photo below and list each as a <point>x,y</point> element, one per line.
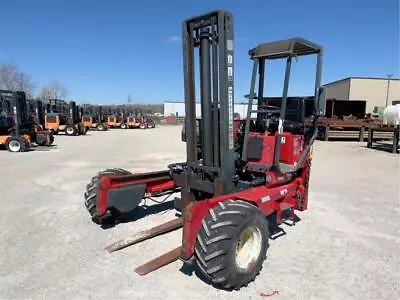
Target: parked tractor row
<point>24,122</point>
<point>102,118</point>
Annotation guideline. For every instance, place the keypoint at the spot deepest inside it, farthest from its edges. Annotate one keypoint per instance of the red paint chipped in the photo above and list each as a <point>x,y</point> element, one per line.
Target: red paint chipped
<point>251,264</point>
<point>270,294</point>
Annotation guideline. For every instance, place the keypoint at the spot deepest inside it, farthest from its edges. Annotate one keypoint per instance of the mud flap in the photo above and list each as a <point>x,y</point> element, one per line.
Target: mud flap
<point>125,199</point>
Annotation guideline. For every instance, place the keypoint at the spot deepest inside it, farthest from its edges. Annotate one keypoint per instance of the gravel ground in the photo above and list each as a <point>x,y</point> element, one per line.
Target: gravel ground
<point>346,245</point>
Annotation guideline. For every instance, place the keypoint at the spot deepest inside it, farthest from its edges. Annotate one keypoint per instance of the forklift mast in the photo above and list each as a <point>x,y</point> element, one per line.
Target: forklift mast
<point>73,113</point>
<point>39,112</point>
<point>212,35</point>
<point>15,103</point>
<point>7,119</point>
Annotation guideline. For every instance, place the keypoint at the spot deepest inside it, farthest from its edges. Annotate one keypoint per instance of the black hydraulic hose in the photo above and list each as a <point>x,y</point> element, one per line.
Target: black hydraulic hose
<point>303,156</point>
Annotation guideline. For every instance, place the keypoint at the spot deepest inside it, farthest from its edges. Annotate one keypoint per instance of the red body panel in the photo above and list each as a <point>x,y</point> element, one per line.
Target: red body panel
<point>290,152</point>
<point>270,198</point>
<point>154,184</point>
<point>291,148</point>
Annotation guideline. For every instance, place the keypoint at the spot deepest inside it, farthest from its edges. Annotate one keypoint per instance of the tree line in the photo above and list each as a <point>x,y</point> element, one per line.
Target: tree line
<point>11,78</point>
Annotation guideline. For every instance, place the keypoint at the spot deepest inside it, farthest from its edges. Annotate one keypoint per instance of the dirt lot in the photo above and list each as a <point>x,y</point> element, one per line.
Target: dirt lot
<point>346,245</point>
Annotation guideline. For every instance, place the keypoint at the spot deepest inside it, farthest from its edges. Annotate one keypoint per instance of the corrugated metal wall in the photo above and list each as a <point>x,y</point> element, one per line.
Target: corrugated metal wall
<point>178,109</point>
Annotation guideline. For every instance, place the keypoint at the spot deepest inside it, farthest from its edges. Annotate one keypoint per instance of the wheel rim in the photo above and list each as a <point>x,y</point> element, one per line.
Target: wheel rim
<point>14,146</point>
<point>70,130</point>
<point>248,248</point>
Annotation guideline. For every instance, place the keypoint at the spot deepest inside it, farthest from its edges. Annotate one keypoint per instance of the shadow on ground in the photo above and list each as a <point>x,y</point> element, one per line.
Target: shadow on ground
<point>276,231</point>
<point>141,212</point>
<point>386,147</point>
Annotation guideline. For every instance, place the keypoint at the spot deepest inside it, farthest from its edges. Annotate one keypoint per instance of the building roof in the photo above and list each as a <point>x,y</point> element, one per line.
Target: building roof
<point>359,77</point>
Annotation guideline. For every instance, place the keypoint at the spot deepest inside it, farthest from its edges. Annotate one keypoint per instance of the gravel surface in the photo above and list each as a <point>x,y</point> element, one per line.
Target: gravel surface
<point>346,245</point>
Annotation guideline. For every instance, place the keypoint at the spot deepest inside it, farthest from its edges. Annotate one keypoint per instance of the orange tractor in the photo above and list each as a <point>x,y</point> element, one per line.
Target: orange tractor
<point>42,137</point>
<point>12,118</point>
<point>92,118</point>
<point>137,122</point>
<point>63,117</point>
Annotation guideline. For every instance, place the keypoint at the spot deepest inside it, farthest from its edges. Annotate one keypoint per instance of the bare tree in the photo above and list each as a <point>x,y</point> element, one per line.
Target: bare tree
<point>12,79</point>
<point>45,93</point>
<point>54,90</point>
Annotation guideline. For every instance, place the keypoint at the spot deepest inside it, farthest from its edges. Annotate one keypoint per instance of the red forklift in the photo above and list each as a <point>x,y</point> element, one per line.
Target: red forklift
<point>245,170</point>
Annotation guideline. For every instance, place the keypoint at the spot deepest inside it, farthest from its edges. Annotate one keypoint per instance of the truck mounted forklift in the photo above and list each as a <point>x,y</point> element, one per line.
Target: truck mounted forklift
<point>36,111</point>
<point>245,172</point>
<point>92,117</point>
<point>138,121</point>
<point>12,121</point>
<point>109,118</point>
<point>62,116</point>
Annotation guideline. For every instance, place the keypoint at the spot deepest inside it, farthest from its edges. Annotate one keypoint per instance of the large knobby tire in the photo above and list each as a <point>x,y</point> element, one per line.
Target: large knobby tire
<point>16,144</point>
<point>231,244</point>
<point>91,194</point>
<point>42,139</point>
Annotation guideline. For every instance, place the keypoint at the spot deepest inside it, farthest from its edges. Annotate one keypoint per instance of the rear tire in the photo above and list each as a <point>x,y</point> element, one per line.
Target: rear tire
<point>142,126</point>
<point>16,144</point>
<point>41,140</point>
<point>101,127</point>
<point>91,195</point>
<point>51,138</point>
<point>123,126</point>
<point>232,243</point>
<point>69,130</point>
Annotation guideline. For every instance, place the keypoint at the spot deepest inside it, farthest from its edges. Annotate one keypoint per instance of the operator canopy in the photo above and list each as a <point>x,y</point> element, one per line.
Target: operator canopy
<point>284,48</point>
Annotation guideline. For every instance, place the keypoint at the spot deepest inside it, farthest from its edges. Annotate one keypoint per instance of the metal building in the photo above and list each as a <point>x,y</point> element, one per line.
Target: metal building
<point>177,109</point>
<point>377,92</point>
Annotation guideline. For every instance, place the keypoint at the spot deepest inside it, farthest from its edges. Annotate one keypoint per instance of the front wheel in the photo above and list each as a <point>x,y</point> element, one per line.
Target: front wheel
<point>16,144</point>
<point>70,130</point>
<point>142,126</point>
<point>232,243</point>
<point>123,126</point>
<point>101,127</point>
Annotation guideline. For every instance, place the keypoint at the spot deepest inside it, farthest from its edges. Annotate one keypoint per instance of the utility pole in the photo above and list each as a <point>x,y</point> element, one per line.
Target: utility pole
<point>387,90</point>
